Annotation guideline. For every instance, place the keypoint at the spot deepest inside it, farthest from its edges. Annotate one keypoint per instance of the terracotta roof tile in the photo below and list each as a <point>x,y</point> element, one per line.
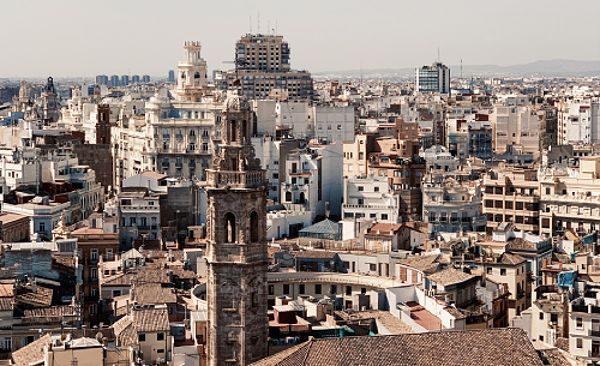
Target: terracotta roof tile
<point>450,276</point>
<point>31,353</point>
<point>491,347</point>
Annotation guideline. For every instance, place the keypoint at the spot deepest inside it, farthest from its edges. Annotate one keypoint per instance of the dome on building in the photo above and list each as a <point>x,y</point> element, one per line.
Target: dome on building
<point>236,102</point>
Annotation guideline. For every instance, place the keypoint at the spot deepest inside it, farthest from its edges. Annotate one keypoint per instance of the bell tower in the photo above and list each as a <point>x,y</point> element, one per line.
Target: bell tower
<point>192,73</point>
<point>237,249</point>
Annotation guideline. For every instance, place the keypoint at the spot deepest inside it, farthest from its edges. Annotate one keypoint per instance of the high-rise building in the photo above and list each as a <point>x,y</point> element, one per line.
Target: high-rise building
<point>433,79</point>
<point>262,64</point>
<point>124,80</point>
<point>101,80</point>
<point>237,252</point>
<point>135,79</point>
<point>171,77</point>
<point>261,52</point>
<point>146,79</point>
<point>114,80</point>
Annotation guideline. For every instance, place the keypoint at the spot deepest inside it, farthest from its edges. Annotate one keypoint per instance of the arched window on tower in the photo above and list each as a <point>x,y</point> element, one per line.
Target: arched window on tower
<point>254,227</point>
<point>233,136</point>
<point>230,228</point>
<point>244,131</point>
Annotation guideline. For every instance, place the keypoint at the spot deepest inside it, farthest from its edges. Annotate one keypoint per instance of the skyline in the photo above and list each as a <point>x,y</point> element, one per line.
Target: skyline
<point>146,37</point>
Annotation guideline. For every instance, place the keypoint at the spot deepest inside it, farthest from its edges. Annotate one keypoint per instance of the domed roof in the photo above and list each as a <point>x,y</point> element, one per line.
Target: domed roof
<point>236,102</point>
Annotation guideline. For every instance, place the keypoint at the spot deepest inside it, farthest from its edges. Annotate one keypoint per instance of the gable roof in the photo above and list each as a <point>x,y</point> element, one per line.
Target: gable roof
<point>32,353</point>
<point>493,347</point>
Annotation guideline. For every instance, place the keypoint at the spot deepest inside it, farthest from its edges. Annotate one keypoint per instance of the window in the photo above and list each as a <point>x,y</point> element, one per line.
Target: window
<point>348,290</point>
<point>502,271</point>
<point>579,343</point>
<point>93,273</point>
<point>160,336</point>
<point>42,227</point>
<point>141,337</point>
<point>318,289</point>
<point>301,289</point>
<point>384,216</point>
<point>372,267</point>
<point>361,188</point>
<point>376,189</point>
<point>94,255</point>
<point>7,343</point>
<point>333,289</point>
<point>488,270</point>
<point>541,316</point>
<point>230,228</point>
<point>271,290</point>
<point>286,289</point>
<point>254,227</point>
<point>160,350</point>
<point>579,323</point>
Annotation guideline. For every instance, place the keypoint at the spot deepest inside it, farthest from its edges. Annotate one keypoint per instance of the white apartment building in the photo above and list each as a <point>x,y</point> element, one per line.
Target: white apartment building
<point>452,206</point>
<point>139,211</point>
<point>334,123</point>
<point>355,156</point>
<point>370,197</point>
<point>570,197</point>
<point>519,126</point>
<point>20,167</point>
<point>300,184</point>
<point>438,158</point>
<point>578,121</point>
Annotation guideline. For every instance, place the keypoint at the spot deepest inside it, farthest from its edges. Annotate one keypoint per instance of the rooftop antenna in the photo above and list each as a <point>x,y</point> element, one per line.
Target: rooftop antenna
<point>258,22</point>
<point>275,26</point>
<point>438,57</point>
<point>250,23</point>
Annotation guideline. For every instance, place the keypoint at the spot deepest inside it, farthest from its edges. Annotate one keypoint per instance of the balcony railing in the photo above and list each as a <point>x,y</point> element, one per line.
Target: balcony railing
<point>242,179</point>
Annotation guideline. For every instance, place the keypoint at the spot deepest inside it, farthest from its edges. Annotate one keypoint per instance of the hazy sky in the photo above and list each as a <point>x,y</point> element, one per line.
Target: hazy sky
<point>89,37</point>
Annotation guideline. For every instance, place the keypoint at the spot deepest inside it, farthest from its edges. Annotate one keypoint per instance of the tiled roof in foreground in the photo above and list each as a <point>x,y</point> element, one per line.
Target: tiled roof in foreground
<point>491,347</point>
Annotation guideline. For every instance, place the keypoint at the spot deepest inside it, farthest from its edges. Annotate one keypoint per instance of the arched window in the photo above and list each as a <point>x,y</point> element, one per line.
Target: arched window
<point>197,75</point>
<point>254,227</point>
<point>288,196</point>
<point>302,198</point>
<point>183,75</point>
<point>244,130</point>
<point>230,227</point>
<point>234,128</point>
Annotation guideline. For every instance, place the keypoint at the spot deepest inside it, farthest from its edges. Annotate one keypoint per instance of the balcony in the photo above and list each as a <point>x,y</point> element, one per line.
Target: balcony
<point>594,333</point>
<point>244,179</point>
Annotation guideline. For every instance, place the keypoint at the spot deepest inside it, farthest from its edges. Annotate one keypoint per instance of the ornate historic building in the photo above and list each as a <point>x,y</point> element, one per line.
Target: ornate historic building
<point>237,251</point>
<point>180,132</point>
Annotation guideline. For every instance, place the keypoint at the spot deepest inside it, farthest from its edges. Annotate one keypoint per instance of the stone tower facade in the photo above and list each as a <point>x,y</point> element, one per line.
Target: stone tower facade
<point>237,250</point>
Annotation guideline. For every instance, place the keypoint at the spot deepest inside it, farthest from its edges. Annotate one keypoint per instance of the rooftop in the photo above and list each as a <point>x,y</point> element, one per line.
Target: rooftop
<point>450,276</point>
<point>492,347</point>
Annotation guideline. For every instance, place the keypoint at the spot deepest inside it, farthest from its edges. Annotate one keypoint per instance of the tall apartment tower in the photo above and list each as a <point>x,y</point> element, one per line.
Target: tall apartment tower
<point>262,52</point>
<point>433,79</point>
<point>237,250</point>
<point>262,66</point>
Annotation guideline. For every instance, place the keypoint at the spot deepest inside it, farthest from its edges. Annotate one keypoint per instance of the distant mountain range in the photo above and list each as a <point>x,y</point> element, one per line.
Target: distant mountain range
<point>546,68</point>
